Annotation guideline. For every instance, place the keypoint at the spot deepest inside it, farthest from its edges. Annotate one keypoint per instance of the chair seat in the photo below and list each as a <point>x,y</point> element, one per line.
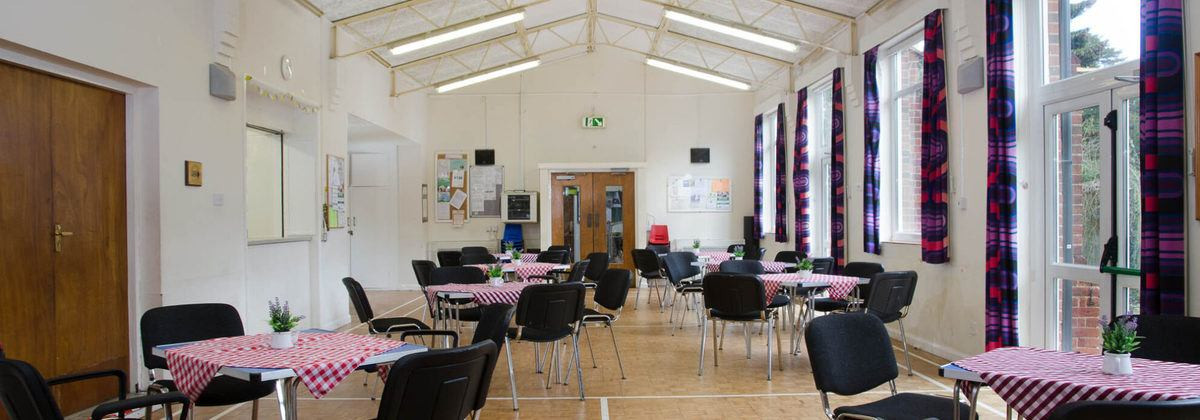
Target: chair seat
<point>592,315</point>
<point>655,275</point>
<point>226,390</point>
<point>470,314</point>
<point>830,305</point>
<point>539,336</point>
<point>748,316</point>
<point>908,406</point>
<point>382,324</point>
<point>780,300</point>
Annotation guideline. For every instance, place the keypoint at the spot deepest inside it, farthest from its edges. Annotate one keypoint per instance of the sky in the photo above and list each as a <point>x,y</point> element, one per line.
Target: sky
<point>1118,21</point>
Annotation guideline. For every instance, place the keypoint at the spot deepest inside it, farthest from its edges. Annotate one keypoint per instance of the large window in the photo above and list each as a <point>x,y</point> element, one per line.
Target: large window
<point>767,165</point>
<point>1083,36</point>
<point>820,128</point>
<point>900,123</point>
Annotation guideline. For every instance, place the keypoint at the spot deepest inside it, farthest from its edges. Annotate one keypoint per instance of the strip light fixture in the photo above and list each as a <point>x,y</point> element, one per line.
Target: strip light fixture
<point>731,31</point>
<point>489,74</point>
<point>697,73</point>
<point>454,34</point>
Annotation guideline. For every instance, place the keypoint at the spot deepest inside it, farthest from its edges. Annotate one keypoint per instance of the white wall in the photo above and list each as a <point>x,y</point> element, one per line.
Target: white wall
<point>652,116</point>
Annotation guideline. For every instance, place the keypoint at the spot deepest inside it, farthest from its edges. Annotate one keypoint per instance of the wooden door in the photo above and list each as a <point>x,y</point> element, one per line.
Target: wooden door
<point>64,308</point>
<point>613,210</point>
<point>570,215</point>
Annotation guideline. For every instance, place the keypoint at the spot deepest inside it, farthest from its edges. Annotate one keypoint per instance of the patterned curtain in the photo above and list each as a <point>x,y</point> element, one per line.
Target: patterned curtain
<point>1001,252</point>
<point>800,171</point>
<point>758,174</point>
<point>935,169</point>
<point>871,154</point>
<point>781,233</point>
<point>1163,158</point>
<point>837,217</point>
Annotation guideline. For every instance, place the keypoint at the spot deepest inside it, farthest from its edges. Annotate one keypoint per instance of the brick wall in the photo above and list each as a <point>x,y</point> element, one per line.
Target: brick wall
<point>911,67</point>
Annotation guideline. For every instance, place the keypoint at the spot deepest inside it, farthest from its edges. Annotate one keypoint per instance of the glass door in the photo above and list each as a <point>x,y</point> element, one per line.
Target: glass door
<point>614,215</point>
<point>571,201</point>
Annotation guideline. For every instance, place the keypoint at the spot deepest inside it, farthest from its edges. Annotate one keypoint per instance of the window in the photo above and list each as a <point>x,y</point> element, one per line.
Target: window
<point>820,128</point>
<point>767,166</point>
<point>280,185</point>
<point>901,67</point>
<point>1083,36</point>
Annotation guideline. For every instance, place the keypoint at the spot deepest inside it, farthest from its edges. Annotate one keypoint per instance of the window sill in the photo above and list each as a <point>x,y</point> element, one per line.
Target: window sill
<point>286,239</point>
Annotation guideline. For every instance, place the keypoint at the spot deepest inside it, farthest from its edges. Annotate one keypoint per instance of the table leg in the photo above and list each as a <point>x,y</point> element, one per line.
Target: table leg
<point>957,389</point>
<point>974,400</point>
<point>285,389</point>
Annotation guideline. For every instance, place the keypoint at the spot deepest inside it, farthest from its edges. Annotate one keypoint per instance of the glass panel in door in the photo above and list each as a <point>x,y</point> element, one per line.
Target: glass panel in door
<point>1129,202</point>
<point>571,212</point>
<point>614,223</point>
<point>1077,200</point>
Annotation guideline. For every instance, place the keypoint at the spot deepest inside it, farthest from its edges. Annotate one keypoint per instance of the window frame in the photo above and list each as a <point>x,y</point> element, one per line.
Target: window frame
<point>820,162</point>
<point>889,158</point>
<point>767,200</point>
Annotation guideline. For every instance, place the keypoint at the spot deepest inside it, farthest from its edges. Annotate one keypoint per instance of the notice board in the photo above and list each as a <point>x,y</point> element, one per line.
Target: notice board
<point>699,194</point>
<point>450,204</point>
<point>487,183</point>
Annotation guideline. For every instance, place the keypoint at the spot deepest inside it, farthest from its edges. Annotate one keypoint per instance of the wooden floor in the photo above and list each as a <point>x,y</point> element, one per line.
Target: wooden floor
<point>661,378</point>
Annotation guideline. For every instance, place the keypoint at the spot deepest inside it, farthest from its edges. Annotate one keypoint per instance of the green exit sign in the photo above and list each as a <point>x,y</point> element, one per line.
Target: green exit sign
<point>593,122</point>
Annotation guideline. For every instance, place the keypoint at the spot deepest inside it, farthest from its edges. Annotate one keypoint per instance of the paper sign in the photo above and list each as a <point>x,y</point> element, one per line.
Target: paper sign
<point>458,199</point>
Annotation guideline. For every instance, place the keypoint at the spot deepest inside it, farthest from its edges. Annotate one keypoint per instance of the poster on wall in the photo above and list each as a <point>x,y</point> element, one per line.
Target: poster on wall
<point>450,197</point>
<point>335,192</point>
<point>487,182</point>
<point>688,194</point>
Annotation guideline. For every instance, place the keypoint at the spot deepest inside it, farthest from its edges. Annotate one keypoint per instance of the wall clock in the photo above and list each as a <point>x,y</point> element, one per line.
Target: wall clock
<point>285,67</point>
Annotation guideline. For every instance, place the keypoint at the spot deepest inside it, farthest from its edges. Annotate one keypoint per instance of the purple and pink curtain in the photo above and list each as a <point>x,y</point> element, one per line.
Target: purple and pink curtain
<point>1000,328</point>
<point>800,175</point>
<point>935,169</point>
<point>871,153</point>
<point>781,233</point>
<point>758,174</point>
<point>837,215</point>
<point>1163,158</point>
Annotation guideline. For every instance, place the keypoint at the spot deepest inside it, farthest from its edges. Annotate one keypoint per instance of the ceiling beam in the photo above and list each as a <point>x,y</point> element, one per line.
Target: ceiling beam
<point>591,25</point>
<point>539,56</point>
<point>311,7</point>
<point>379,11</point>
<point>441,30</point>
<point>495,40</point>
<point>814,10</point>
<point>702,41</point>
<point>746,28</point>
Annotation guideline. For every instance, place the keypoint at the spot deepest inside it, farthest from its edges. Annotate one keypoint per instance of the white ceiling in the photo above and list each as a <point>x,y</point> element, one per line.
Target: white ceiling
<point>561,29</point>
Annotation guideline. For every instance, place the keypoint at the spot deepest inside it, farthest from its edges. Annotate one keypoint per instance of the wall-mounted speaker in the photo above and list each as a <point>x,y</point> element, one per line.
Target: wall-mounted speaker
<point>970,75</point>
<point>485,157</point>
<point>700,155</point>
<point>221,82</point>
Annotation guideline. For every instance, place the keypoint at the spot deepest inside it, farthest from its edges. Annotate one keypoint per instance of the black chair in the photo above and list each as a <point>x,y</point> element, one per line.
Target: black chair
<point>366,315</point>
<point>449,258</point>
<point>475,259</point>
<point>597,267</point>
<point>855,269</point>
<point>738,298</point>
<point>424,270</point>
<point>574,276</point>
<point>441,384</point>
<point>822,265</point>
<point>682,273</point>
<point>741,267</point>
<point>196,322</point>
<point>649,267</point>
<point>26,394</point>
<point>549,313</point>
<point>852,354</point>
<point>611,292</point>
<point>552,257</point>
<point>493,325</point>
<point>891,296</point>
<point>659,249</point>
<point>469,250</point>
<point>532,251</point>
<point>735,248</point>
<point>462,309</point>
<point>1169,338</point>
<point>792,257</point>
<point>567,255</point>
<point>1121,410</point>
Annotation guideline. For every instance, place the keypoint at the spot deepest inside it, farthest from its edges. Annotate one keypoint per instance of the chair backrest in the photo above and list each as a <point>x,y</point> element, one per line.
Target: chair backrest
<point>493,323</point>
<point>553,257</point>
<point>567,256</point>
<point>358,298</point>
<point>533,250</point>
<point>469,250</point>
<point>1169,338</point>
<point>25,393</point>
<point>551,307</point>
<point>449,258</point>
<point>438,384</point>
<point>734,294</point>
<point>864,270</point>
<point>789,256</point>
<point>472,259</point>
<point>613,288</point>
<point>891,292</point>
<point>578,271</point>
<point>850,353</point>
<point>423,270</point>
<point>659,249</point>
<point>823,265</point>
<point>597,265</point>
<point>184,323</point>
<point>457,275</point>
<point>1120,410</point>
<point>742,267</point>
<point>735,247</point>
<point>679,266</point>
<point>646,262</point>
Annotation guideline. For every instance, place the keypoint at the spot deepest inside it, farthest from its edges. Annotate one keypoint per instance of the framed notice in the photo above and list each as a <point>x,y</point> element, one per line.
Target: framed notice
<point>487,183</point>
<point>450,204</point>
<point>688,194</point>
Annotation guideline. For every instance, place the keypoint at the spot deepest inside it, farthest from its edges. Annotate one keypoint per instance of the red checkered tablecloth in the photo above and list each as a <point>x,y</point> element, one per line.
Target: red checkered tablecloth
<point>770,266</point>
<point>525,269</point>
<point>484,294</point>
<point>321,360</point>
<point>1036,381</point>
<point>524,257</point>
<point>715,256</point>
<point>839,286</point>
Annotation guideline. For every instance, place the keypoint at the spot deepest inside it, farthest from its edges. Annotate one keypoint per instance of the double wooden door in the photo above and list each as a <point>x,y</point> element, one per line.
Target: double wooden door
<point>63,282</point>
<point>594,212</point>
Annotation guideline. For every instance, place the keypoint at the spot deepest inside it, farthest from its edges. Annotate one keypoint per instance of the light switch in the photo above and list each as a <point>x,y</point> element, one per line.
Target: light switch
<point>218,199</point>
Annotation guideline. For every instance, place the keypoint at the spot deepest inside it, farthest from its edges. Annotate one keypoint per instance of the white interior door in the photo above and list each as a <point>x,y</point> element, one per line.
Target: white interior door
<point>374,245</point>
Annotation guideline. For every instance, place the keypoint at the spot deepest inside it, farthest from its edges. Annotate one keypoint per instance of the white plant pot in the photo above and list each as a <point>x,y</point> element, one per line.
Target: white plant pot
<point>805,274</point>
<point>735,258</point>
<point>497,281</point>
<point>517,261</point>
<point>283,340</point>
<point>1117,364</point>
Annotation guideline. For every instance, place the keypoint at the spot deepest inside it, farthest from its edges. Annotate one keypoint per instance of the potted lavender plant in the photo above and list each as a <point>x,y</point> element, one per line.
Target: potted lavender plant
<point>1119,340</point>
<point>282,322</point>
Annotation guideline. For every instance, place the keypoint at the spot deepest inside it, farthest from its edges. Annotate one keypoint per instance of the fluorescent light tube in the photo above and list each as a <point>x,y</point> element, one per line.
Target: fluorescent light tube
<point>458,33</point>
<point>697,74</point>
<point>483,77</point>
<point>731,31</point>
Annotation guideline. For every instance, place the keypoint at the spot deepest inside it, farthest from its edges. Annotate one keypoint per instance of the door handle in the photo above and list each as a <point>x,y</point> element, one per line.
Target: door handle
<point>59,233</point>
